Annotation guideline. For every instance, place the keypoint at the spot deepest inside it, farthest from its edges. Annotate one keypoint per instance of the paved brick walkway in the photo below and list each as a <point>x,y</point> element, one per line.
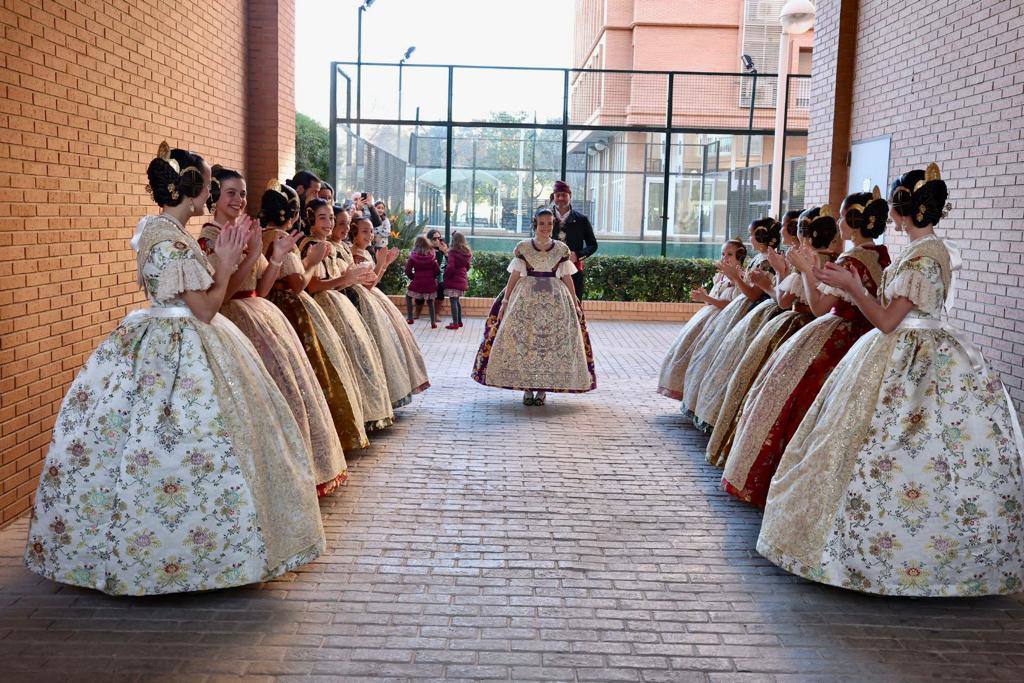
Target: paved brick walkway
<point>586,540</point>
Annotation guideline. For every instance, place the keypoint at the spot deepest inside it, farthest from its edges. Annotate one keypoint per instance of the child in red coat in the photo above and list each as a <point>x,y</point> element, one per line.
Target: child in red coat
<point>456,276</point>
<point>422,270</point>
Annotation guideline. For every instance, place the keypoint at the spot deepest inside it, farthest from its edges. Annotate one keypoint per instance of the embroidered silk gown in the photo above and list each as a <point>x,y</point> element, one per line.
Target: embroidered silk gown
<point>733,395</point>
<point>282,354</point>
<point>707,345</point>
<point>541,343</point>
<point>904,477</point>
<point>727,358</point>
<point>673,367</point>
<point>326,354</point>
<point>415,366</point>
<point>357,341</point>
<point>388,342</point>
<point>785,388</point>
<point>175,463</point>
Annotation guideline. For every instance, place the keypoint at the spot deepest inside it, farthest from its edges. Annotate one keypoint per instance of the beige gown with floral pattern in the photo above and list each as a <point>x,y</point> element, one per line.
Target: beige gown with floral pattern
<point>357,341</point>
<point>673,367</point>
<point>175,464</point>
<point>904,478</point>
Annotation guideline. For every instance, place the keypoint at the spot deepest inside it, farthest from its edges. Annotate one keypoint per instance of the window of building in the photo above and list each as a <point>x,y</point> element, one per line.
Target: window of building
<point>761,35</point>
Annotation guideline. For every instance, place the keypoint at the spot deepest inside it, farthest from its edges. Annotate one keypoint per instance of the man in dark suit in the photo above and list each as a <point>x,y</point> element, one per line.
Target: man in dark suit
<point>573,228</point>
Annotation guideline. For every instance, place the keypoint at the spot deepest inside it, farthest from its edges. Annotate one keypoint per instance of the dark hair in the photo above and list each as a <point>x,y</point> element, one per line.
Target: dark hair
<point>326,185</point>
<point>220,174</point>
<point>542,211</point>
<point>302,179</point>
<point>866,214</point>
<point>278,205</point>
<point>820,229</point>
<point>433,231</point>
<point>170,186</point>
<point>924,205</point>
<point>338,210</point>
<point>311,209</point>
<point>791,217</point>
<point>766,231</point>
<point>353,227</point>
<point>741,249</point>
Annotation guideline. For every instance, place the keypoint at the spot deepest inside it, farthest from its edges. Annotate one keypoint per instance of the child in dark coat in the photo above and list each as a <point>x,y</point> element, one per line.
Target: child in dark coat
<point>422,270</point>
<point>456,276</point>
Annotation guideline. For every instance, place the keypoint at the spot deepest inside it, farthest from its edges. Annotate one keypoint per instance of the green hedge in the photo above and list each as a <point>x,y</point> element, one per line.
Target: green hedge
<point>609,278</point>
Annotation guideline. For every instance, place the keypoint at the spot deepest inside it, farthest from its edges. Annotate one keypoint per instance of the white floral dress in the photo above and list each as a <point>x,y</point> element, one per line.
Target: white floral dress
<point>175,463</point>
<point>541,343</point>
<point>904,477</point>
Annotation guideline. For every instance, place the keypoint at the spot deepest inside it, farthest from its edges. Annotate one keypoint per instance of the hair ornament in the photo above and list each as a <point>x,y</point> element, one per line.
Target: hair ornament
<point>164,152</point>
<point>275,186</point>
<point>173,189</point>
<point>932,172</point>
<point>946,209</point>
<point>826,210</point>
<point>876,193</point>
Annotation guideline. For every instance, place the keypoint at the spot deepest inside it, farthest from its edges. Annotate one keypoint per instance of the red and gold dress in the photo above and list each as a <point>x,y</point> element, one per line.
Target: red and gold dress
<point>735,390</point>
<point>787,385</point>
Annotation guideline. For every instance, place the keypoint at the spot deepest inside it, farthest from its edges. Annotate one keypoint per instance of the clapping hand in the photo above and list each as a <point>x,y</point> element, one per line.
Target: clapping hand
<point>730,268</point>
<point>318,252</point>
<point>231,243</point>
<point>778,262</point>
<point>700,295</point>
<point>838,277</point>
<point>284,243</point>
<point>804,258</point>
<point>761,280</point>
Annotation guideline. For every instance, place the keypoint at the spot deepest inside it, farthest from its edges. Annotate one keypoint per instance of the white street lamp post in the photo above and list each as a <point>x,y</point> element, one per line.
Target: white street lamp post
<point>797,17</point>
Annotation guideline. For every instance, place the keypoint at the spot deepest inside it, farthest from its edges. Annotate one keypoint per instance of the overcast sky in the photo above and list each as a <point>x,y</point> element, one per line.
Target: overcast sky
<point>488,32</point>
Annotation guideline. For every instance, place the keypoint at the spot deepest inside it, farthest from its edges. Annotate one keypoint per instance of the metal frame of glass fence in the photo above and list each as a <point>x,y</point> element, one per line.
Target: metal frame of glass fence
<point>450,124</point>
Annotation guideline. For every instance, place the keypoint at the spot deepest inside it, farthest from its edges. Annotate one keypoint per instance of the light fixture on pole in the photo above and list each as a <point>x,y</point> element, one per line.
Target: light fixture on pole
<point>359,61</point>
<point>797,17</point>
<point>398,135</point>
<point>748,66</point>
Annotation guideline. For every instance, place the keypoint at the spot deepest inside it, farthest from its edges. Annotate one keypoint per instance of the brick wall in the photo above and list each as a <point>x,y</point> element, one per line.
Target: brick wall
<point>88,89</point>
<point>942,77</point>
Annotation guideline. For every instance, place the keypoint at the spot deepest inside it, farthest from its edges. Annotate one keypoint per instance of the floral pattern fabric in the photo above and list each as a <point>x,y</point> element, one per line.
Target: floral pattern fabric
<point>708,343</point>
<point>357,342</point>
<point>673,367</point>
<point>784,389</point>
<point>157,480</point>
<point>904,477</point>
<point>541,343</point>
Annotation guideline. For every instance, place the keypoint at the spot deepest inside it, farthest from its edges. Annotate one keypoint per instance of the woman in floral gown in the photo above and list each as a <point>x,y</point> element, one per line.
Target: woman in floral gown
<point>264,324</point>
<point>785,388</point>
<point>780,298</point>
<point>765,236</point>
<point>374,313</point>
<point>536,341</point>
<point>175,464</point>
<point>331,275</point>
<point>904,477</point>
<point>279,208</point>
<point>361,234</point>
<point>817,232</point>
<point>673,367</point>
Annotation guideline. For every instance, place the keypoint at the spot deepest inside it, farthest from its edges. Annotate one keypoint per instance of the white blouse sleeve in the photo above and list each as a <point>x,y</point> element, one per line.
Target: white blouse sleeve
<point>565,268</point>
<point>517,265</point>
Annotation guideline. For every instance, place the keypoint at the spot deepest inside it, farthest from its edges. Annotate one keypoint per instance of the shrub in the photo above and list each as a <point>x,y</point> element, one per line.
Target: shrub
<point>609,278</point>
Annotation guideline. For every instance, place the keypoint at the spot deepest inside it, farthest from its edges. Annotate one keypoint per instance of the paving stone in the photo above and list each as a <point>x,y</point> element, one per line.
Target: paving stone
<point>481,539</point>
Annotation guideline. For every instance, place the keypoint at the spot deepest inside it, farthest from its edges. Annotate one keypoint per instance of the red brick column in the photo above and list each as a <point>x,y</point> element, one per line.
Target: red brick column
<point>270,96</point>
<point>828,146</point>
